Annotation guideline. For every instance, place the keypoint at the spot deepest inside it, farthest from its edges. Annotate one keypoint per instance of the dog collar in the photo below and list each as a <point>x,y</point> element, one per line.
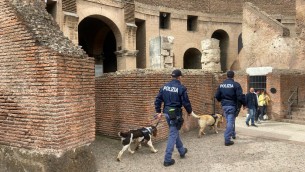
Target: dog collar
<point>215,118</point>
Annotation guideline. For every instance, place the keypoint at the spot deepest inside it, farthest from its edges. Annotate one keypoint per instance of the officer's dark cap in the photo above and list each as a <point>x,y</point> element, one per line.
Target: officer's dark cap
<point>176,73</point>
<point>230,74</point>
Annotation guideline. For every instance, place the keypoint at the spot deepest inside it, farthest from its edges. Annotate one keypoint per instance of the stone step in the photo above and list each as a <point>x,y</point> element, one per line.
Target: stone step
<point>298,106</point>
<point>298,113</point>
<point>295,121</point>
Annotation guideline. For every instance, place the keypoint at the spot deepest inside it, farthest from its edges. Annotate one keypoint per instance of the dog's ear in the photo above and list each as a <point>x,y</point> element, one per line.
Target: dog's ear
<point>154,131</point>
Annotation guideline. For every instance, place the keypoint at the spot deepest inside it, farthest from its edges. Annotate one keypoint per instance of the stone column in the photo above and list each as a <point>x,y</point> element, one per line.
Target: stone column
<point>210,58</point>
<point>161,52</point>
<point>126,59</point>
<point>70,26</point>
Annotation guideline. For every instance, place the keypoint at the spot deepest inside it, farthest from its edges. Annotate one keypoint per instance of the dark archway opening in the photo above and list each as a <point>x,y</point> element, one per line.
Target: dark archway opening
<point>240,43</point>
<point>98,40</point>
<point>223,38</point>
<point>141,43</point>
<point>51,7</point>
<point>192,59</point>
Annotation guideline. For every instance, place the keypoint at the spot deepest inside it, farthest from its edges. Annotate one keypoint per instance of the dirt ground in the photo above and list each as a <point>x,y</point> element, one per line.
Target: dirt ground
<point>208,154</point>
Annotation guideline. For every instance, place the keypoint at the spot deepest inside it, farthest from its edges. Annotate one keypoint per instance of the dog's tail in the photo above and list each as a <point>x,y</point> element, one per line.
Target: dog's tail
<point>194,115</point>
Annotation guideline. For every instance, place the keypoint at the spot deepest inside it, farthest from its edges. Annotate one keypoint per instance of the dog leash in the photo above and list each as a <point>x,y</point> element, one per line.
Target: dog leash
<point>155,117</point>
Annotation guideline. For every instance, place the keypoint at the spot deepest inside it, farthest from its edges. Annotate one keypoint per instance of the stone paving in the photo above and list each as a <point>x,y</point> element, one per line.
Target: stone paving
<point>273,146</point>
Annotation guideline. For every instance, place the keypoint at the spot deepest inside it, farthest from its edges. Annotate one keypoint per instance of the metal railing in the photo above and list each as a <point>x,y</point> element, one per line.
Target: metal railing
<point>291,100</point>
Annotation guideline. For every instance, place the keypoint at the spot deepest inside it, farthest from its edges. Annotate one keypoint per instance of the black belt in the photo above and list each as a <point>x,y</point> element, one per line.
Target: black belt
<point>170,107</point>
<point>229,100</point>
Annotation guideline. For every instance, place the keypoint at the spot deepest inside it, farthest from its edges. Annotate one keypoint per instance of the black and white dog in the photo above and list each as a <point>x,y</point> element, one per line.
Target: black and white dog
<point>137,136</point>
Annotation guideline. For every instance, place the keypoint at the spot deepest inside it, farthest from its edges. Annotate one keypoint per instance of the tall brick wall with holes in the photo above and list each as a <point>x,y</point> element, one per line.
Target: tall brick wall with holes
<point>46,83</point>
<point>126,100</point>
<point>263,37</point>
<point>285,7</point>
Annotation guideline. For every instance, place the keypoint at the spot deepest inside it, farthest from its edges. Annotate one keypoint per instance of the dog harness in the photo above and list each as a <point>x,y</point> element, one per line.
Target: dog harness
<point>146,131</point>
<point>215,117</point>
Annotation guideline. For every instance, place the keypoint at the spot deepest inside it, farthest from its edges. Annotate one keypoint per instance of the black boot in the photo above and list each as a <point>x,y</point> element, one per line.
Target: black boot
<point>166,164</point>
<point>230,143</point>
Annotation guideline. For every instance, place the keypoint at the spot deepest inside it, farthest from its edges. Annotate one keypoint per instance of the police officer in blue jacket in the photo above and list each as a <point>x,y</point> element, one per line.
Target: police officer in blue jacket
<point>230,94</point>
<point>174,95</point>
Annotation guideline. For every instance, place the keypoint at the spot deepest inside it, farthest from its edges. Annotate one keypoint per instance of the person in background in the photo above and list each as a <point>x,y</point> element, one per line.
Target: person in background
<point>263,101</point>
<point>257,92</point>
<point>251,103</point>
<point>174,96</point>
<point>229,93</point>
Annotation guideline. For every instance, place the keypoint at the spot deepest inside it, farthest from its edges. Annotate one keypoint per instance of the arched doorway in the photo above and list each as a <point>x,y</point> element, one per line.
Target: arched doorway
<point>223,38</point>
<point>192,59</point>
<point>98,39</point>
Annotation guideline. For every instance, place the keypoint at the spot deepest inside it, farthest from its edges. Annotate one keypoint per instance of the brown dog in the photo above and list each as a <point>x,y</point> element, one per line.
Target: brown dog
<point>208,120</point>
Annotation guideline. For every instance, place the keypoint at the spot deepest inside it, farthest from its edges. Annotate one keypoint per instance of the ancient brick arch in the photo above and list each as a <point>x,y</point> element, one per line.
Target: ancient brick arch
<point>100,37</point>
<point>113,23</point>
<point>192,59</point>
<point>223,38</point>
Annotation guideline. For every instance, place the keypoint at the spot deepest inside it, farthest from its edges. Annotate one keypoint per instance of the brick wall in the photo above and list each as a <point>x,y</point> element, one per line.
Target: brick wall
<point>285,82</point>
<point>126,100</point>
<point>46,84</point>
<point>284,7</point>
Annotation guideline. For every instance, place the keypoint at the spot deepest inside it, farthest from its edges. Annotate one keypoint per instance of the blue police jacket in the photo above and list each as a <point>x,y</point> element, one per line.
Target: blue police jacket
<point>251,101</point>
<point>173,94</point>
<point>229,92</point>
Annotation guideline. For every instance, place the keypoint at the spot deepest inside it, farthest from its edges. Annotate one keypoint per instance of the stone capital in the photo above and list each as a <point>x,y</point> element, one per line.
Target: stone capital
<point>123,53</point>
<point>126,59</point>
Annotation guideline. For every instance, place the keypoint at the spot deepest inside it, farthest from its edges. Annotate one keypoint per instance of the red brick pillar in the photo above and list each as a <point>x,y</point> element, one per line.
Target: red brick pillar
<point>47,98</point>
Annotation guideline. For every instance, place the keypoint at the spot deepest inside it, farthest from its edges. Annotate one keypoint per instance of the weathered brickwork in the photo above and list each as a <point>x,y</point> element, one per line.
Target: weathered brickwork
<point>264,37</point>
<point>285,82</point>
<point>126,100</point>
<point>46,88</point>
<point>285,7</point>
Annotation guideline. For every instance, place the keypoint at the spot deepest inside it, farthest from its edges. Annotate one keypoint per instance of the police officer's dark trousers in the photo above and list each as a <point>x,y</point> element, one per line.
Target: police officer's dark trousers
<point>229,112</point>
<point>173,138</point>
